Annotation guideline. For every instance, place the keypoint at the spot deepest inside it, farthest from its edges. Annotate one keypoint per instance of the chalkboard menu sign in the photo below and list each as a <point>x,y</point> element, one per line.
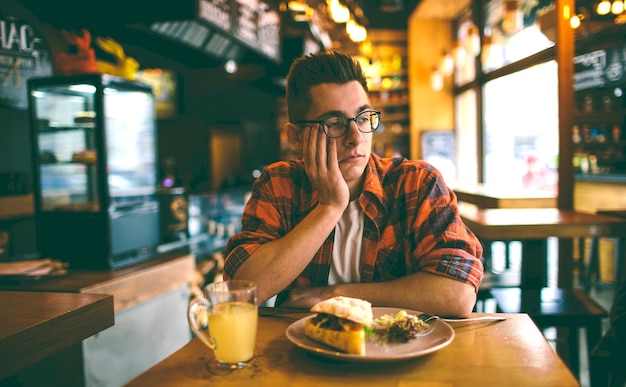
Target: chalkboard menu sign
<point>600,68</point>
<point>252,22</point>
<point>24,54</point>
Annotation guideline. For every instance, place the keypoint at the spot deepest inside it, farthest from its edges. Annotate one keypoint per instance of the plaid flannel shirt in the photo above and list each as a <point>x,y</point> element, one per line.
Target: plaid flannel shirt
<point>411,220</point>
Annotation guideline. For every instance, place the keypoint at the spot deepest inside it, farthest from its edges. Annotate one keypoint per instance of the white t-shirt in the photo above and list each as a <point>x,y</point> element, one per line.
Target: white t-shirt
<point>346,257</point>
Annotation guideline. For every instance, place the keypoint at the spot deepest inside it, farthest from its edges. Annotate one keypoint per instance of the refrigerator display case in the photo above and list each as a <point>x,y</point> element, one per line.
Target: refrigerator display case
<point>95,170</point>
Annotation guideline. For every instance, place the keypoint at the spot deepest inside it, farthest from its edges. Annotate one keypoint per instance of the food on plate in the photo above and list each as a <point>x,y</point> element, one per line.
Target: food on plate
<point>401,327</point>
<point>340,323</point>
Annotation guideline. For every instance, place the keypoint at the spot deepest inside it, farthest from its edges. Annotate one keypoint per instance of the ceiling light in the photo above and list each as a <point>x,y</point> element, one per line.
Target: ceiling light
<point>338,12</point>
<point>575,20</point>
<point>297,6</point>
<point>356,32</point>
<point>513,19</point>
<point>617,7</point>
<point>604,7</point>
<point>459,54</point>
<point>436,80</point>
<point>447,64</point>
<point>472,41</point>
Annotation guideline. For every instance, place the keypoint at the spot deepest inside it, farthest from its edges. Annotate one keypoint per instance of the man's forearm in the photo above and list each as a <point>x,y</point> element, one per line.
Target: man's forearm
<point>278,263</point>
<point>424,292</point>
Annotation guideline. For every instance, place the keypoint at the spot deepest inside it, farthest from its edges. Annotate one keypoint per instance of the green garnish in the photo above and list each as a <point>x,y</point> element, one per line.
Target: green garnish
<point>399,328</point>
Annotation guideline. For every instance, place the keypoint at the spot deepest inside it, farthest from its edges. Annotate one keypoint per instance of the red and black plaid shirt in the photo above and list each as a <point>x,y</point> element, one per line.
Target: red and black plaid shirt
<point>411,223</point>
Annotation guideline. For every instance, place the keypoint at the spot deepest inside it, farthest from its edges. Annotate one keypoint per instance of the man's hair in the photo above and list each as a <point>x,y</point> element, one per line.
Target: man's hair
<point>314,69</point>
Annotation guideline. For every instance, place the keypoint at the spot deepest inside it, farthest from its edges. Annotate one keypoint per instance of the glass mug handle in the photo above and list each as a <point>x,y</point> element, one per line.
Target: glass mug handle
<point>198,317</point>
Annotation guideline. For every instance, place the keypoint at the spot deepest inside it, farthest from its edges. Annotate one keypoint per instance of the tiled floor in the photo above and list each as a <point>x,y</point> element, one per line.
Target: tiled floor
<point>603,295</point>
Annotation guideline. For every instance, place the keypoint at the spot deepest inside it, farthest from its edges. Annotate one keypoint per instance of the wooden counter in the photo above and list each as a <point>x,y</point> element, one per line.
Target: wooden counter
<point>149,300</point>
<point>35,325</point>
<point>129,286</point>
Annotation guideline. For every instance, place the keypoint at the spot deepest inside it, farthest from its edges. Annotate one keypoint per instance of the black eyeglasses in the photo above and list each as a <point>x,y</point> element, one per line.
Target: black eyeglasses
<point>334,127</point>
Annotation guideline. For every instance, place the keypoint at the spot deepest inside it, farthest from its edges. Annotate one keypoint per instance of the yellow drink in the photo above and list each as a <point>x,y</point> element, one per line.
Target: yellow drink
<point>233,325</point>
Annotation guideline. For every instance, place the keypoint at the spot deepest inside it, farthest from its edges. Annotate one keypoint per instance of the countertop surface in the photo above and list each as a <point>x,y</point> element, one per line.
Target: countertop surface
<point>129,286</point>
<point>35,325</point>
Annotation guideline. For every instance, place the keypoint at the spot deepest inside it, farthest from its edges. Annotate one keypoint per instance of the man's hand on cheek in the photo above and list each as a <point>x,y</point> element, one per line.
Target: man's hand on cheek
<point>322,167</point>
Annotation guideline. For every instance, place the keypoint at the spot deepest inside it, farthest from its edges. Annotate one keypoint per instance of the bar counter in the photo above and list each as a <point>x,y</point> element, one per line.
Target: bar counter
<point>35,325</point>
<point>148,299</point>
<point>130,286</point>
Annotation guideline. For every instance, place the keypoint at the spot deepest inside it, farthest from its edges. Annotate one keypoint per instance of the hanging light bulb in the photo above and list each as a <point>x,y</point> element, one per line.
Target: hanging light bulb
<point>617,7</point>
<point>459,54</point>
<point>513,19</point>
<point>338,12</point>
<point>604,7</point>
<point>472,41</point>
<point>447,64</point>
<point>574,21</point>
<point>356,32</point>
<point>359,34</point>
<point>436,80</point>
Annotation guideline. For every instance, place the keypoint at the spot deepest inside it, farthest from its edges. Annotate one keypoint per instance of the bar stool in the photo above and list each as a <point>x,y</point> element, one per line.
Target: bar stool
<point>560,308</point>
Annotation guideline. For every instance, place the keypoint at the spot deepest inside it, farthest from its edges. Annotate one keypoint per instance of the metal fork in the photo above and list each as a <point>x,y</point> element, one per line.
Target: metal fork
<point>425,317</point>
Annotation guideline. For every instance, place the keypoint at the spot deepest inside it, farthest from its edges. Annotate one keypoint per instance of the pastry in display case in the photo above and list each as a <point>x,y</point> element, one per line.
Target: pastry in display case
<point>95,170</point>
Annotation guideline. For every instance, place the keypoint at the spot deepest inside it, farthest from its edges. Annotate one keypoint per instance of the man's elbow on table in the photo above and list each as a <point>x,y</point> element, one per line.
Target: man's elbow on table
<point>467,301</point>
<point>448,297</point>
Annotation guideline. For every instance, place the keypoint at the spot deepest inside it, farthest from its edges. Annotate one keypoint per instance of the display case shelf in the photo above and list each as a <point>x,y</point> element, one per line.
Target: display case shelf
<point>94,141</point>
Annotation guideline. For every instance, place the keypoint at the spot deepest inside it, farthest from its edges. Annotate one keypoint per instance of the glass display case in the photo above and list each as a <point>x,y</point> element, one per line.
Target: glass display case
<point>95,170</point>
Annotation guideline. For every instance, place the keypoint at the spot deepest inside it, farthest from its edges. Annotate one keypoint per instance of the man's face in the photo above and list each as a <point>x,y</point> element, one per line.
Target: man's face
<point>346,100</point>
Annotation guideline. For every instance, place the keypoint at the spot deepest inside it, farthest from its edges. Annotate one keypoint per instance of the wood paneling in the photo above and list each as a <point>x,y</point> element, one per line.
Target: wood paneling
<point>429,109</point>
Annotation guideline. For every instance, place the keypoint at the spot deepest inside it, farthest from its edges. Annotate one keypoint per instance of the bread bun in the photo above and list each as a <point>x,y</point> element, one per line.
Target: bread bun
<point>353,309</point>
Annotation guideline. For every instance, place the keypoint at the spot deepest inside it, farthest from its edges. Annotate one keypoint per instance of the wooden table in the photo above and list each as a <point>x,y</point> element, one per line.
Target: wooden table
<point>35,325</point>
<point>533,226</point>
<point>481,354</point>
<point>486,196</point>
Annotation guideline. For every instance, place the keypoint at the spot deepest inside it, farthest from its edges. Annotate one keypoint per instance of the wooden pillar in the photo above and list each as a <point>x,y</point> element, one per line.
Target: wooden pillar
<point>565,60</point>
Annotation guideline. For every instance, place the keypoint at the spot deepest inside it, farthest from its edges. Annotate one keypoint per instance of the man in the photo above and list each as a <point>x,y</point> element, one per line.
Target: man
<point>343,221</point>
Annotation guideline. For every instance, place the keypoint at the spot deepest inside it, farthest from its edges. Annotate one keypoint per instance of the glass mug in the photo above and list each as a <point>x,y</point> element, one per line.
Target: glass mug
<point>225,319</point>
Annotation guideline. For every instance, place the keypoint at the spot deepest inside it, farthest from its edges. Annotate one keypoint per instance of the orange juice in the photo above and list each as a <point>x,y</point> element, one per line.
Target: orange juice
<point>233,325</point>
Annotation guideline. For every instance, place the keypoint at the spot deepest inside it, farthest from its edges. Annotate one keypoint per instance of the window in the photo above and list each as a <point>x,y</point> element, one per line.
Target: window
<point>519,133</point>
<point>521,129</point>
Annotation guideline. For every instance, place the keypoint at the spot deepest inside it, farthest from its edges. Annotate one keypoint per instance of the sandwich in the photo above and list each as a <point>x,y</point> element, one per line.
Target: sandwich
<point>340,323</point>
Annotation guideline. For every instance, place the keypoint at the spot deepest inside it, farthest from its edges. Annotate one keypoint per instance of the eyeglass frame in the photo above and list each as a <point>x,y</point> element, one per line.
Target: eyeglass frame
<point>348,121</point>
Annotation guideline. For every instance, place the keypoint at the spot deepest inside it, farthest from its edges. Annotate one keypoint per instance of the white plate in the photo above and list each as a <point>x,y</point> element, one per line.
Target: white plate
<point>440,337</point>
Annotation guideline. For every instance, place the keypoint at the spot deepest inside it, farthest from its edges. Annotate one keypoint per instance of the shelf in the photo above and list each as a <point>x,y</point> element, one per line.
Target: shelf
<point>16,206</point>
<point>599,117</point>
<point>403,86</point>
<point>57,163</point>
<point>75,207</point>
<point>595,144</point>
<point>52,129</point>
